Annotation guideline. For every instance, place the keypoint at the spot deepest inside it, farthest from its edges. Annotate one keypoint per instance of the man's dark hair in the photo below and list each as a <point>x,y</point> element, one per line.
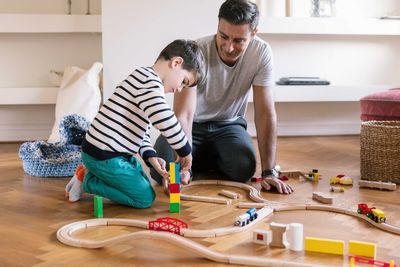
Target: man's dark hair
<point>193,59</point>
<point>240,12</point>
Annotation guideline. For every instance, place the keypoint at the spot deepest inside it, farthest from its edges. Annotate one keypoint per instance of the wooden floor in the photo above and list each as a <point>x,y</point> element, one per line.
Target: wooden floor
<point>32,210</point>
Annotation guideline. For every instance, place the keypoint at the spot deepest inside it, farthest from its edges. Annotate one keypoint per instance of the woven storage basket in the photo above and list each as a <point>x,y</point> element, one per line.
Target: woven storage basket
<point>380,151</point>
<point>50,160</point>
<point>41,158</point>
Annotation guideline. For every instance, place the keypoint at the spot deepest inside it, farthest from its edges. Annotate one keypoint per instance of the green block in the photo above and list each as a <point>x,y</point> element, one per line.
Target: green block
<point>174,207</point>
<point>98,206</point>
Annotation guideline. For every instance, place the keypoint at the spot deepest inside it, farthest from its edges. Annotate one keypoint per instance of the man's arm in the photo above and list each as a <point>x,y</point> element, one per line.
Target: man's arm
<point>184,107</point>
<point>266,127</point>
<point>265,119</point>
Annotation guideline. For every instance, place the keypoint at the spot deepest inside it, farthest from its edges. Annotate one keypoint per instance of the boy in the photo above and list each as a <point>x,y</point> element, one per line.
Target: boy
<point>121,129</point>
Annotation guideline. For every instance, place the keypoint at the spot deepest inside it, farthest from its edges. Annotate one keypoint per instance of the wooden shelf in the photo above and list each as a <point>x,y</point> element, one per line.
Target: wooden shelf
<point>28,96</point>
<point>35,23</point>
<point>332,26</point>
<point>323,93</point>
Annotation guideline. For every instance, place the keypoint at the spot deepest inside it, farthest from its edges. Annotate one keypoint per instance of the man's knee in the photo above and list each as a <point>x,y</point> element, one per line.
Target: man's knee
<point>241,168</point>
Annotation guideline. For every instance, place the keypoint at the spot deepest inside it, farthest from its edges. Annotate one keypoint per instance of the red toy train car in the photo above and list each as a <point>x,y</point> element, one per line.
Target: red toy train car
<point>373,213</point>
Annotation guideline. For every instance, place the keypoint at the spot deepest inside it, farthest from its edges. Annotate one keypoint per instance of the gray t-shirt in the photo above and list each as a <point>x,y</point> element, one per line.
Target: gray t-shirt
<point>222,95</point>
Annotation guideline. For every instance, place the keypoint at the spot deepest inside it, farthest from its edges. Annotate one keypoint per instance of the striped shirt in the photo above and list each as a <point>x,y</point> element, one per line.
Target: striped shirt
<point>122,125</point>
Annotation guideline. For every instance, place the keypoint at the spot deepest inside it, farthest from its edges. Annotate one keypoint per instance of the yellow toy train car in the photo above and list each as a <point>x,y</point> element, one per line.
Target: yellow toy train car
<point>373,213</point>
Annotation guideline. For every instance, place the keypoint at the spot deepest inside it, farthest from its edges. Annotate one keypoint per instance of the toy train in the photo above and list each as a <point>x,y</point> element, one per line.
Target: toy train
<point>373,213</point>
<point>246,218</point>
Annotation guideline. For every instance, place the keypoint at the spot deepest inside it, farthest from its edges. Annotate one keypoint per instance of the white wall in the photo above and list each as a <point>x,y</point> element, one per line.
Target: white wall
<point>345,60</point>
<point>145,28</point>
<point>343,8</point>
<point>27,58</point>
<point>136,31</point>
<point>48,6</point>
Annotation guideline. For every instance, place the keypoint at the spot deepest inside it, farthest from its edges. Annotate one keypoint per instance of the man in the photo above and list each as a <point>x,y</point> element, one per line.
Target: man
<point>213,114</point>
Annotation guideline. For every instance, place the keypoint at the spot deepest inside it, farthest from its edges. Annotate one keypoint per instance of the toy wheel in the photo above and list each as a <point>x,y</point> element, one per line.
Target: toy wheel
<point>359,211</point>
<point>369,215</point>
<point>383,219</point>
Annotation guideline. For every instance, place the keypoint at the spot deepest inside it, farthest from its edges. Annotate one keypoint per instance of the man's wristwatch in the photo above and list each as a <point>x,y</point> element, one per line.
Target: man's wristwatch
<point>270,172</point>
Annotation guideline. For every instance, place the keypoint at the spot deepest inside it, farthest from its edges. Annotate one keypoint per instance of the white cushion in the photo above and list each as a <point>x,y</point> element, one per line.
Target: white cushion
<point>79,93</point>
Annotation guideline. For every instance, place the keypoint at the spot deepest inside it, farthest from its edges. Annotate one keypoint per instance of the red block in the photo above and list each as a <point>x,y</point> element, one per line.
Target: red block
<point>256,179</point>
<point>174,188</point>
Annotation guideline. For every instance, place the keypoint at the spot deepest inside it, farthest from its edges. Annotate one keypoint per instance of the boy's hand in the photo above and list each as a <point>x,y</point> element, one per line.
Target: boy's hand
<point>159,165</point>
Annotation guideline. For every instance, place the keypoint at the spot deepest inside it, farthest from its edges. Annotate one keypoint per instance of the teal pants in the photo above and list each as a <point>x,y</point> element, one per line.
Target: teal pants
<point>119,179</point>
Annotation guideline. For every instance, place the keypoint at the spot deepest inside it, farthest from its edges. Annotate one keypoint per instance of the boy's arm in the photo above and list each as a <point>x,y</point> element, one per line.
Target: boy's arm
<point>184,107</point>
<point>146,149</point>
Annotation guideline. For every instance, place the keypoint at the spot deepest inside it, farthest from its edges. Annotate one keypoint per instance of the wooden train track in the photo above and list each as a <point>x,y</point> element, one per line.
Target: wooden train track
<point>65,233</point>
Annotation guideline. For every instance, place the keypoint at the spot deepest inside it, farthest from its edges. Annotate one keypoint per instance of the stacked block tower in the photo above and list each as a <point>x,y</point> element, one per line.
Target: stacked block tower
<point>174,187</point>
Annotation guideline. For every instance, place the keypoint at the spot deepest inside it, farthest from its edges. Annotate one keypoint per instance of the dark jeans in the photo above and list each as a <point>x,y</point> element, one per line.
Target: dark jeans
<point>222,146</point>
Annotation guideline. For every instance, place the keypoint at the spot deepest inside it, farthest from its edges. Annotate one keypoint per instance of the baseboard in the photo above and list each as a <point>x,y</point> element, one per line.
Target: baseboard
<point>24,132</point>
<point>310,128</point>
<point>40,131</point>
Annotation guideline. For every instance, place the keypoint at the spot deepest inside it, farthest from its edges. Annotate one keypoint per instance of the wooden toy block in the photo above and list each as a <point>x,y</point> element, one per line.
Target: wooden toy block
<point>216,200</point>
<point>378,185</point>
<point>320,197</point>
<point>174,207</point>
<point>263,237</point>
<point>365,249</point>
<point>337,189</point>
<point>177,173</point>
<point>98,206</point>
<point>174,188</point>
<point>278,235</point>
<point>256,179</point>
<point>313,175</point>
<point>352,262</point>
<point>175,198</point>
<point>341,179</point>
<point>172,173</point>
<point>229,194</point>
<point>295,236</point>
<point>322,245</point>
<point>373,261</point>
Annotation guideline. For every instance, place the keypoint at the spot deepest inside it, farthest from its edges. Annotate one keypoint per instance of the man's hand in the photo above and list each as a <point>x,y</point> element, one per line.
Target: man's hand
<point>159,165</point>
<point>271,181</point>
<point>186,163</point>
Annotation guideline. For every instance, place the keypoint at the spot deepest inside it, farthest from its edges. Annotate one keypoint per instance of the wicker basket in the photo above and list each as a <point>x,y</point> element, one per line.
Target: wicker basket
<point>380,151</point>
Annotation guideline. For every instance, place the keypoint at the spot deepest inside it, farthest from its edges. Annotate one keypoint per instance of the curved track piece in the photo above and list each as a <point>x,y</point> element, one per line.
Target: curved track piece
<point>64,235</point>
<point>255,195</point>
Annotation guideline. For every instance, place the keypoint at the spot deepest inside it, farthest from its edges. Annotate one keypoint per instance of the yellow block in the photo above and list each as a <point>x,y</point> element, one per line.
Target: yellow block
<point>324,245</point>
<point>365,249</point>
<point>172,173</point>
<point>175,198</point>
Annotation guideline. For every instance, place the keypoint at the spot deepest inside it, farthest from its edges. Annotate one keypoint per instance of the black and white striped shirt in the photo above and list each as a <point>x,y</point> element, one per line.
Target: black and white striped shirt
<point>122,125</point>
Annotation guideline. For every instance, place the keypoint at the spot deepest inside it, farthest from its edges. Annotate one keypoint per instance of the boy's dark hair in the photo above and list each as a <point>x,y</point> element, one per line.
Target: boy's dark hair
<point>240,12</point>
<point>193,59</point>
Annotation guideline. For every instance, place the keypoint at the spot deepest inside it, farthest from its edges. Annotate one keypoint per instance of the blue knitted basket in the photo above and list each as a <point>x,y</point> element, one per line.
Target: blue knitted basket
<point>44,159</point>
